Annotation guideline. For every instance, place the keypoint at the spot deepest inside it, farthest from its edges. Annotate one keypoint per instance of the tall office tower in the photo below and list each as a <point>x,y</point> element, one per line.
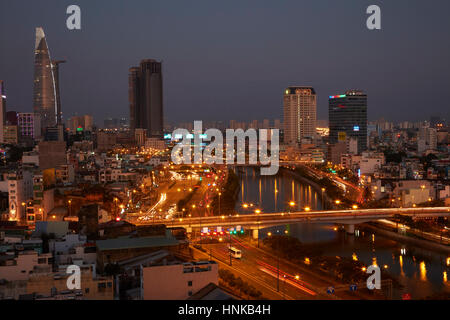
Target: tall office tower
<point>55,65</point>
<point>44,97</point>
<point>146,97</point>
<point>300,105</point>
<point>347,115</point>
<point>2,109</point>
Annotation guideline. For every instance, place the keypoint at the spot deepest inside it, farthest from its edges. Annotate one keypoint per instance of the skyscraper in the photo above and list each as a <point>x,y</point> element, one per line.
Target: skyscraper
<point>44,97</point>
<point>300,106</point>
<point>146,97</point>
<point>2,109</point>
<point>348,117</point>
<point>55,66</point>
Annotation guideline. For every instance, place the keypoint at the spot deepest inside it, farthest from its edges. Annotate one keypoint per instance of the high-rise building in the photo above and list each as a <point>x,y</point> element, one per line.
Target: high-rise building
<point>88,122</point>
<point>146,97</point>
<point>29,126</point>
<point>44,97</point>
<point>348,117</point>
<point>55,65</point>
<point>300,106</point>
<point>2,109</point>
<point>427,139</point>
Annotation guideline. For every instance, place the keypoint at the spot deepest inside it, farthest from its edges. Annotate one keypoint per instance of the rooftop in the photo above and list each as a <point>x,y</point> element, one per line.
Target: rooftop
<point>135,243</point>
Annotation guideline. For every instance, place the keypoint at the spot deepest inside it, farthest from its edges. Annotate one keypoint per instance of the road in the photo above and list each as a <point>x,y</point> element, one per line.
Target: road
<point>260,269</point>
<point>203,185</point>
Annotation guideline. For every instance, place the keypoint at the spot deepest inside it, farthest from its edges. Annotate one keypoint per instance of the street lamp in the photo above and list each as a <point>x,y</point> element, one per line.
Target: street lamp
<point>323,204</point>
<point>291,205</point>
<point>257,211</point>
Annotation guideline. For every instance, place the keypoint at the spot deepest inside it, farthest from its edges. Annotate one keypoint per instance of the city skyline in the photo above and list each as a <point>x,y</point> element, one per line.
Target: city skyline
<point>226,151</point>
<point>199,79</point>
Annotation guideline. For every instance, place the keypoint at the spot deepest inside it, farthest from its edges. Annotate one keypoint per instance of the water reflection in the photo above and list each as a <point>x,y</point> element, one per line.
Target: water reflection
<point>423,271</point>
<point>274,193</point>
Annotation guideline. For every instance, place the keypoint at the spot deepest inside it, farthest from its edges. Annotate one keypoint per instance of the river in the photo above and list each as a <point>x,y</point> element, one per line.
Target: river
<point>421,272</point>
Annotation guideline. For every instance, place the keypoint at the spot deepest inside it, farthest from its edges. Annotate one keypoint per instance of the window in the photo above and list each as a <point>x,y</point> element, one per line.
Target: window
<point>190,293</point>
<point>86,290</point>
<point>189,283</point>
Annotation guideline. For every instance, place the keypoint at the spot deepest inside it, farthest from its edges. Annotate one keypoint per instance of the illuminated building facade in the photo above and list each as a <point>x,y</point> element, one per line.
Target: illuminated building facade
<point>300,108</point>
<point>347,115</point>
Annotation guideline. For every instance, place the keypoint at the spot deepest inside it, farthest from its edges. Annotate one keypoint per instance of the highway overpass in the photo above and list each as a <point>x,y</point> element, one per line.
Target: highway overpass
<point>262,220</point>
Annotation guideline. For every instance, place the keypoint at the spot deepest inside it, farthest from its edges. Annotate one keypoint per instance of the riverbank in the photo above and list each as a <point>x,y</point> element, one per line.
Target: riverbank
<point>425,244</point>
<point>289,173</point>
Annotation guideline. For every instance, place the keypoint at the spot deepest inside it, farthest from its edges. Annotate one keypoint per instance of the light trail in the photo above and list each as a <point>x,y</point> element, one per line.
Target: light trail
<point>289,281</point>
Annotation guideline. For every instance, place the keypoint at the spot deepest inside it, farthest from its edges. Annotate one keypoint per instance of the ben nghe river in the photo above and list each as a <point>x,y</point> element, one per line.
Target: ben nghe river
<point>421,272</point>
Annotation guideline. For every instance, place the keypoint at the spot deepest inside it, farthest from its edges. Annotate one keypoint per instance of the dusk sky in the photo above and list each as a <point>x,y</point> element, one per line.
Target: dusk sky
<point>232,59</point>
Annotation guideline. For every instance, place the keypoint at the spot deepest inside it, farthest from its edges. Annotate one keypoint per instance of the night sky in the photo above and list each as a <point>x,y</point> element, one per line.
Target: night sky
<point>231,59</point>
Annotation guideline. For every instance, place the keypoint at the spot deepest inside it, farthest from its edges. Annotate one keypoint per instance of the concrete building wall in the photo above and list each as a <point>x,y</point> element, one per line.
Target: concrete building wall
<point>52,154</point>
<point>172,282</point>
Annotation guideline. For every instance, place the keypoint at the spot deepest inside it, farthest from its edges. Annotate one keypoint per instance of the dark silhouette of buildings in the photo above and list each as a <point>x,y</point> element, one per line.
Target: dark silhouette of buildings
<point>146,97</point>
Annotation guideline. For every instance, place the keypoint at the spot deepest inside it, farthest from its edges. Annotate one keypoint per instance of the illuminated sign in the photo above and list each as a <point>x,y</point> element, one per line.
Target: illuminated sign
<point>338,96</point>
<point>342,136</point>
<point>355,128</point>
<point>167,136</point>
